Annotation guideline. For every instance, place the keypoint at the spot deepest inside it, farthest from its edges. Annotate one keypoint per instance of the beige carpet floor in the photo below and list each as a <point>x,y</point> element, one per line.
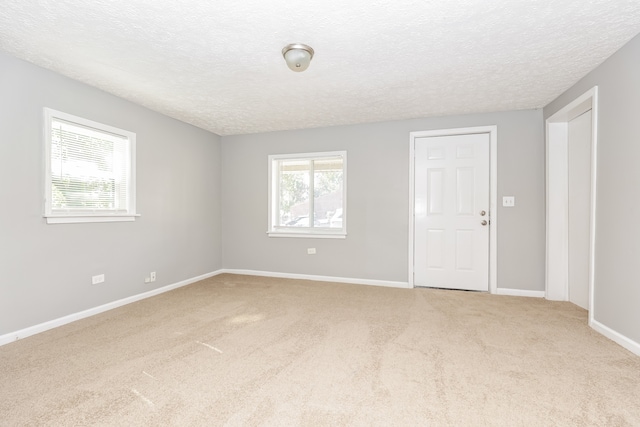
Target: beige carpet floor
<point>251,351</point>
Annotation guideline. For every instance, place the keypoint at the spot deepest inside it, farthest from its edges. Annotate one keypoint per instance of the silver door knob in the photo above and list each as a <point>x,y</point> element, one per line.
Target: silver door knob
<point>484,222</point>
<point>482,213</point>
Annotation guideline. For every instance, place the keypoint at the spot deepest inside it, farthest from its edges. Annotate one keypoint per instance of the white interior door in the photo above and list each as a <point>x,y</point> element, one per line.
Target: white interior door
<point>451,218</point>
<point>579,159</point>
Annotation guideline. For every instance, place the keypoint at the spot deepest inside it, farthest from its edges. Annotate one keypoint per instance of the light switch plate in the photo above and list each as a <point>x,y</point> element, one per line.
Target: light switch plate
<point>508,201</point>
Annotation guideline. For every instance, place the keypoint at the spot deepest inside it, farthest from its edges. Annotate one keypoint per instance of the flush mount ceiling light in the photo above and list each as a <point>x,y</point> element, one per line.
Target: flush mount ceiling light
<point>298,56</point>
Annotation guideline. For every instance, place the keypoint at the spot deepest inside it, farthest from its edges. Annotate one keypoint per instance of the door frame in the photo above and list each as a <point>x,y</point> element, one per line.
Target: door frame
<point>493,194</point>
<point>557,212</point>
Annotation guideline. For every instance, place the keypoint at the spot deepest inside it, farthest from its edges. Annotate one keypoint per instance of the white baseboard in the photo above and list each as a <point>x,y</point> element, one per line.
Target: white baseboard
<point>617,337</point>
<point>520,293</point>
<point>625,342</point>
<point>36,329</point>
<point>23,333</point>
<point>319,278</point>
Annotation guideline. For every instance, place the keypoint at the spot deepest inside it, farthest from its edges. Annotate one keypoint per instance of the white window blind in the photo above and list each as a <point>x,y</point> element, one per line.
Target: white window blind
<point>90,170</point>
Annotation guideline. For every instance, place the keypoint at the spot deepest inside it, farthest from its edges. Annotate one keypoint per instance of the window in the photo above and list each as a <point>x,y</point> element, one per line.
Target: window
<point>308,194</point>
<point>89,170</point>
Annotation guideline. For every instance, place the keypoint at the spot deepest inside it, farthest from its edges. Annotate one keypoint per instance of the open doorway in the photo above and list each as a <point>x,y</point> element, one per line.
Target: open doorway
<point>571,200</point>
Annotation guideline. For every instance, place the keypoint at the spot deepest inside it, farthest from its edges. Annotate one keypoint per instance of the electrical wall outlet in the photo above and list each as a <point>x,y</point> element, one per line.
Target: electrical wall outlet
<point>97,279</point>
<point>508,201</point>
<point>311,251</point>
<point>152,276</point>
<point>147,280</point>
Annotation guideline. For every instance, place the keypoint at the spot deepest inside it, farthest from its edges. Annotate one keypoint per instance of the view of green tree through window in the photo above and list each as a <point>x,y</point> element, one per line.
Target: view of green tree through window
<point>309,193</point>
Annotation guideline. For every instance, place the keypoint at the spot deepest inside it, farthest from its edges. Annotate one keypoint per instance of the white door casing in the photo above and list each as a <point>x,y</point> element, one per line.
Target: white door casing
<point>579,194</point>
<point>557,217</point>
<point>452,183</point>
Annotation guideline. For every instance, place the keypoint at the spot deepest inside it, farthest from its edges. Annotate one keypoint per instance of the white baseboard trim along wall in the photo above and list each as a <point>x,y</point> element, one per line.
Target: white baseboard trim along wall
<point>625,342</point>
<point>520,293</point>
<point>319,278</point>
<point>617,337</point>
<point>42,327</point>
<point>36,329</point>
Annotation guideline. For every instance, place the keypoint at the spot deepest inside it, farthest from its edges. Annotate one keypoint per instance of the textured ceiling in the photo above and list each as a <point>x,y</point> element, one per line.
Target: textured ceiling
<point>217,64</point>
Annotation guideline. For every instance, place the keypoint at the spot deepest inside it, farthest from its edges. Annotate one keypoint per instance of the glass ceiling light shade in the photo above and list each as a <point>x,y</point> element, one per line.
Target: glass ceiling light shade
<point>298,56</point>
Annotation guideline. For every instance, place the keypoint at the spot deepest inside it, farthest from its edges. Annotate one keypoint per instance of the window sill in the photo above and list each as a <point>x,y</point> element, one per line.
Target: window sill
<point>307,234</point>
<point>70,219</point>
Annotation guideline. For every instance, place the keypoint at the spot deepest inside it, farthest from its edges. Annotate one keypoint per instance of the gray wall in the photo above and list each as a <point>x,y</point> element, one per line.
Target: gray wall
<point>45,270</point>
<point>203,201</point>
<point>378,200</point>
<point>617,293</point>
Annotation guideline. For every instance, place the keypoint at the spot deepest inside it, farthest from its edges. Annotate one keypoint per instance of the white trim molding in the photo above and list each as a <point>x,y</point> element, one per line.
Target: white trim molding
<point>492,130</point>
<point>123,173</point>
<point>275,228</point>
<point>36,329</point>
<point>316,278</point>
<point>42,327</point>
<point>616,337</point>
<point>557,212</point>
<point>520,293</point>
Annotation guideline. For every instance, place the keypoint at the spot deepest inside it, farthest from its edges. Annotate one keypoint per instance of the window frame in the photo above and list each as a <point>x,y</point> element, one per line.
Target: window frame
<point>273,202</point>
<point>54,216</point>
